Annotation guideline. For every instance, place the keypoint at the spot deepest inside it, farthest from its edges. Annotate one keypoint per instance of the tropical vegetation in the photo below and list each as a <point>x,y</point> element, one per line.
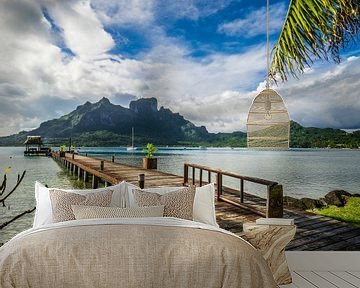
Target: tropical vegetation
<point>349,213</point>
<point>313,29</point>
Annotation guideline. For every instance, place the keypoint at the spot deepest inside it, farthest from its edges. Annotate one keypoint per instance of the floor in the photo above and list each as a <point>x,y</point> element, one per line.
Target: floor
<point>332,269</point>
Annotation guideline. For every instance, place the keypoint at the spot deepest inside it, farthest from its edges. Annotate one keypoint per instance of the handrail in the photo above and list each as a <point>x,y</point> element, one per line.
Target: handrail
<point>274,203</point>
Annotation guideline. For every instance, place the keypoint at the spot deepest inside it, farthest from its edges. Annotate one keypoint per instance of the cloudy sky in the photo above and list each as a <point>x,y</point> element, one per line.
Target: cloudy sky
<point>203,59</point>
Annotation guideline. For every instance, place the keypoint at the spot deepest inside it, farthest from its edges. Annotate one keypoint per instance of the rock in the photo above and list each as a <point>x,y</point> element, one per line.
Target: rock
<point>144,105</point>
<point>293,202</point>
<point>355,195</point>
<point>337,197</point>
<point>309,203</point>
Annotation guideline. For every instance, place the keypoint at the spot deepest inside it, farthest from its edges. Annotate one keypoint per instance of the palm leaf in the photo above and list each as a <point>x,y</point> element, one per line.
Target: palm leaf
<point>313,29</point>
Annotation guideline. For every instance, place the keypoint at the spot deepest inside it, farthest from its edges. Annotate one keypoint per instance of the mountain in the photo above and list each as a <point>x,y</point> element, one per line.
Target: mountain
<point>105,124</point>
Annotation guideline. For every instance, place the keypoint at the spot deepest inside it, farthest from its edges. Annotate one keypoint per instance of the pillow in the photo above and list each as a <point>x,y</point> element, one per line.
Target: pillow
<point>61,202</point>
<point>91,212</point>
<point>204,205</point>
<point>204,202</point>
<point>178,203</point>
<point>43,212</point>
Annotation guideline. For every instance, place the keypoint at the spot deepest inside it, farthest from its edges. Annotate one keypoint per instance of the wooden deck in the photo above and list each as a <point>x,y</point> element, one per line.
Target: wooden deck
<point>314,232</point>
<point>324,269</point>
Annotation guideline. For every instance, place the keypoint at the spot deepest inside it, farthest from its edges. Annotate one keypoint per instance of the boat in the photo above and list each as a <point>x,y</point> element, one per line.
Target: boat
<point>131,148</point>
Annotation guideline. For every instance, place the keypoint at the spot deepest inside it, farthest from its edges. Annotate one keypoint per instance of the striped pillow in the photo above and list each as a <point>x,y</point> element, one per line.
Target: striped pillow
<point>94,212</point>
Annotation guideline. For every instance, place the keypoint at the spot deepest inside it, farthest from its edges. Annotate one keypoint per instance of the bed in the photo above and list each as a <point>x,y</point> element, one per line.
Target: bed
<point>131,252</point>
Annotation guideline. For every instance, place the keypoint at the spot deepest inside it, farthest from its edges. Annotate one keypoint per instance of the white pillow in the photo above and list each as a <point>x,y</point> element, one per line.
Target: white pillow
<point>43,212</point>
<point>204,202</point>
<point>95,212</point>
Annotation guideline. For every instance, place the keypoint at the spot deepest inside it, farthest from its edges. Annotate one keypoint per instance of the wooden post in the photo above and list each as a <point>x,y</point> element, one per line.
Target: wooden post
<point>95,182</point>
<point>85,176</point>
<point>102,165</point>
<point>73,156</point>
<point>193,175</point>
<point>113,158</point>
<point>141,180</point>
<point>106,184</point>
<point>242,191</point>
<point>209,176</point>
<point>186,174</point>
<point>219,185</point>
<point>86,154</point>
<point>274,202</point>
<point>80,171</point>
<point>200,176</point>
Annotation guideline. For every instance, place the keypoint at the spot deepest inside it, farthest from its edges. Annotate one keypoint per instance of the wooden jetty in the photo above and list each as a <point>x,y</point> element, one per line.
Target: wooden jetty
<point>233,206</point>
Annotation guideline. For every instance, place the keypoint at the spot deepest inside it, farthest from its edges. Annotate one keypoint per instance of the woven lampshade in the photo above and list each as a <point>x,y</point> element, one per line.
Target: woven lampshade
<point>268,123</point>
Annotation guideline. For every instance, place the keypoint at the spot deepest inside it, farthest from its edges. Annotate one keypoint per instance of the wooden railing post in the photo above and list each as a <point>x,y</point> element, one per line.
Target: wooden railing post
<point>209,176</point>
<point>274,202</point>
<point>113,158</point>
<point>200,176</point>
<point>102,165</point>
<point>186,174</point>
<point>242,191</point>
<point>219,185</point>
<point>141,180</point>
<point>95,182</point>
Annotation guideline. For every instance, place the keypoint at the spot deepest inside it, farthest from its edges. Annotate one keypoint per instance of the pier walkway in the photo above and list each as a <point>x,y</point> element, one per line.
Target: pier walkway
<point>314,232</point>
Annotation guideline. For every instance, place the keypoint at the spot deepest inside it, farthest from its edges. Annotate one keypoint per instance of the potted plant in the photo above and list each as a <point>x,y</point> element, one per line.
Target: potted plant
<point>62,150</point>
<point>148,161</point>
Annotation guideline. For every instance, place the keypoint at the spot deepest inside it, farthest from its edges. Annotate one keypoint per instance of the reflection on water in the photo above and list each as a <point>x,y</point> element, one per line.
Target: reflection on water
<point>302,172</point>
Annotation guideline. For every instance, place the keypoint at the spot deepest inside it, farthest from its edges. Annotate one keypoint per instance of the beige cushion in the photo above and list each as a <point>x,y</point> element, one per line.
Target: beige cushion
<point>178,203</point>
<point>93,212</point>
<point>61,202</point>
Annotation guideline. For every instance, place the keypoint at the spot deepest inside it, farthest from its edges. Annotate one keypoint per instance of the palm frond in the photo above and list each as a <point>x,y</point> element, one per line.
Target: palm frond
<point>313,29</point>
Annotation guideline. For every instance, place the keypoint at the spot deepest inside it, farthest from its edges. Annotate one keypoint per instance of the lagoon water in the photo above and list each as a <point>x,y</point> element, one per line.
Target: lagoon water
<point>302,172</point>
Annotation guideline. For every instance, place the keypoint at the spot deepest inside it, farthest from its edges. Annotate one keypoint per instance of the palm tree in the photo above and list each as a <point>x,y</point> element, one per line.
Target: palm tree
<point>313,29</point>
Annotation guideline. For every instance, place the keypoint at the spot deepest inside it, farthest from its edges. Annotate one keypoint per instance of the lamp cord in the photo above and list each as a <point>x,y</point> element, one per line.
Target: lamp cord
<point>267,45</point>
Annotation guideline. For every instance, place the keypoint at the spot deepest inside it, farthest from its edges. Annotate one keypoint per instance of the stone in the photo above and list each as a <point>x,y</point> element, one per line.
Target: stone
<point>293,202</point>
<point>337,197</point>
<point>309,203</point>
<point>271,241</point>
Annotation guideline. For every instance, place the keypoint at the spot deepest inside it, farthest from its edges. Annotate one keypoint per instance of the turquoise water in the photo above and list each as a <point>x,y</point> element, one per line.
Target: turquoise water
<point>302,172</point>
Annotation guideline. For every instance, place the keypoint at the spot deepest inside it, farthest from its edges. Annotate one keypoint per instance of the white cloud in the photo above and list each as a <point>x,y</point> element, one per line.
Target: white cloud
<point>328,97</point>
<point>82,31</point>
<point>254,23</point>
<point>124,12</point>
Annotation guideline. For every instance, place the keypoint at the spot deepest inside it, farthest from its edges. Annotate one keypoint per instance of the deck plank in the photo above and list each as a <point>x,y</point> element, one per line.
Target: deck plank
<point>316,280</point>
<point>334,279</point>
<point>302,282</point>
<point>348,277</point>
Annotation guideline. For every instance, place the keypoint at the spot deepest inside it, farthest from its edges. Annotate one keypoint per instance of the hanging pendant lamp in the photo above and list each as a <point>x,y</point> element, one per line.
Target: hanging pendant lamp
<point>268,123</point>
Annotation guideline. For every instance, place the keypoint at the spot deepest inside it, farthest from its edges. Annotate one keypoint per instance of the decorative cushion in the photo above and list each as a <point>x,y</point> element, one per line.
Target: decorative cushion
<point>178,203</point>
<point>43,212</point>
<point>204,202</point>
<point>61,202</point>
<point>93,212</point>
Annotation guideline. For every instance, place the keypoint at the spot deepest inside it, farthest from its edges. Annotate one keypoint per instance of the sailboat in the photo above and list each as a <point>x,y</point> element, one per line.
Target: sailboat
<point>131,148</point>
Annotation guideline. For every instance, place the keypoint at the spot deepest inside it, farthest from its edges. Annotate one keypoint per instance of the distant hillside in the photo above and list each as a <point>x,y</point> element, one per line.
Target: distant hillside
<point>105,124</point>
<point>311,137</point>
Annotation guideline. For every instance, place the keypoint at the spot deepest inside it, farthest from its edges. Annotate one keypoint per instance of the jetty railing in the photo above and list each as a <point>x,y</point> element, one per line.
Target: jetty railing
<point>274,200</point>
